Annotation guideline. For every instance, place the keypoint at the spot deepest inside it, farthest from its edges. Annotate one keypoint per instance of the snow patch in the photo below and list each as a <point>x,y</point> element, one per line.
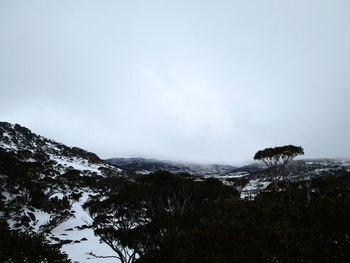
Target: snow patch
<point>83,241</point>
<point>59,196</point>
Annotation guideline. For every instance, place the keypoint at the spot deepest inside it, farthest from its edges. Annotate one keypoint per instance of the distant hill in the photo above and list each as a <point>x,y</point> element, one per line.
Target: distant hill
<point>143,165</point>
<point>298,169</point>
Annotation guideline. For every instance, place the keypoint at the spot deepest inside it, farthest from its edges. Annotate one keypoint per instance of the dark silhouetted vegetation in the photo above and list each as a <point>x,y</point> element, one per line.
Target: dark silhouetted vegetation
<point>164,217</point>
<point>277,158</point>
<point>18,247</point>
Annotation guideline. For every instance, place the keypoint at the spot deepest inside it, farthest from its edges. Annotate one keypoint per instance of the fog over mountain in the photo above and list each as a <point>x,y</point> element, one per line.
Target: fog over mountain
<point>197,81</point>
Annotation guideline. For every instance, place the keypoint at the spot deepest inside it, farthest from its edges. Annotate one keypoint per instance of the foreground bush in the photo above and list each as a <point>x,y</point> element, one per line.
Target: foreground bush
<point>18,247</point>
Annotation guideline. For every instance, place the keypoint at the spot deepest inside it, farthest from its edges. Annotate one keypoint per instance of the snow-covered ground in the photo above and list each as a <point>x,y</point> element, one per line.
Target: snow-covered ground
<point>80,241</point>
<point>222,177</point>
<point>75,163</point>
<point>254,186</point>
<point>83,241</point>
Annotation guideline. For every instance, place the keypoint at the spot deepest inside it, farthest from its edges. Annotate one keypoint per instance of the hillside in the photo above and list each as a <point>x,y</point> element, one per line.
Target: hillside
<point>44,184</point>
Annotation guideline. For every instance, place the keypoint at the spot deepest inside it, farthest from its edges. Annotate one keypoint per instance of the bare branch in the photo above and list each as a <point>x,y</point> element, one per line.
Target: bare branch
<point>94,255</point>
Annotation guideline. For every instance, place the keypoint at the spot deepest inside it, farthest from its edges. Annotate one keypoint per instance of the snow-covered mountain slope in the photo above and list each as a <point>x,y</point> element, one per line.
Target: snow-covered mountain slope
<point>44,185</point>
<point>29,147</point>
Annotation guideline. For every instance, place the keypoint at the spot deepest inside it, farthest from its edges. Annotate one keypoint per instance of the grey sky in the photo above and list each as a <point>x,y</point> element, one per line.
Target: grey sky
<point>206,81</point>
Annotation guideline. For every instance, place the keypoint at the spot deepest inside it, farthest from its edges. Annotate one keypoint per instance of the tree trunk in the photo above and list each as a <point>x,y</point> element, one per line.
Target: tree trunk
<point>275,182</point>
<point>276,186</point>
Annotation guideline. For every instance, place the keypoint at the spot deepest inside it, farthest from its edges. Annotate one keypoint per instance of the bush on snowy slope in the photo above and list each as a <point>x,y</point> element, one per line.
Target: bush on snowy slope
<point>16,246</point>
<point>23,183</point>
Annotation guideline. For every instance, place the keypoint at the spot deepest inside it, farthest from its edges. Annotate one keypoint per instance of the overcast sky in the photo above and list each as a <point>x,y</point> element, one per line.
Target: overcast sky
<point>192,80</point>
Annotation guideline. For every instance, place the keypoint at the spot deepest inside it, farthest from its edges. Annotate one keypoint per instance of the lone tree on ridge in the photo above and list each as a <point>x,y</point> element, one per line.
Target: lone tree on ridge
<point>277,158</point>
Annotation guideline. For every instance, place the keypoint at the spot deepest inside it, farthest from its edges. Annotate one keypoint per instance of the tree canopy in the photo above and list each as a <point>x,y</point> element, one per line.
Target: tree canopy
<point>277,158</point>
<point>279,153</point>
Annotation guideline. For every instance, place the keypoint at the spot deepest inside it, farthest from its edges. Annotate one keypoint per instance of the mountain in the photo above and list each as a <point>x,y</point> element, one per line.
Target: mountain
<point>297,170</point>
<point>44,185</point>
<point>29,147</point>
<point>143,165</point>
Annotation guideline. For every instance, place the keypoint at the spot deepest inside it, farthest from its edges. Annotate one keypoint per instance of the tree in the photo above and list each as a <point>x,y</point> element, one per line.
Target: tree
<point>146,214</point>
<point>277,158</point>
